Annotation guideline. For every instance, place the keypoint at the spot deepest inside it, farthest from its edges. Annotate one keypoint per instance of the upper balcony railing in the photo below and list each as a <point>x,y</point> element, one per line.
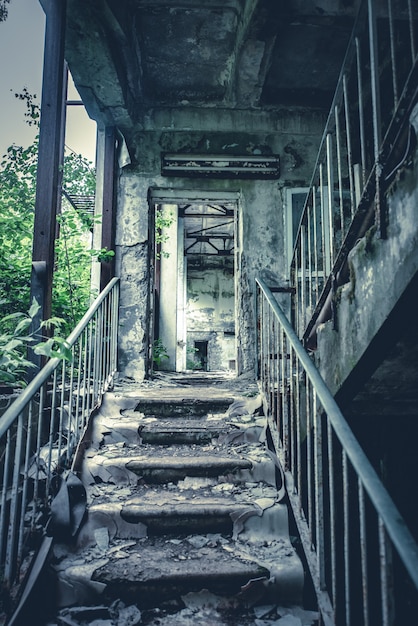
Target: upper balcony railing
<point>40,432</point>
<point>366,139</point>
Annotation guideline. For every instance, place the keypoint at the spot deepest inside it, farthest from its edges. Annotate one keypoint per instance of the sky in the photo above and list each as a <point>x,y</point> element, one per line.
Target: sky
<point>21,60</point>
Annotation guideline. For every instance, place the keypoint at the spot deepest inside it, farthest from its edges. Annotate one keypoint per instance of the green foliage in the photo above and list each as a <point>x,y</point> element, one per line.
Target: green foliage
<point>191,363</point>
<point>3,9</point>
<point>71,287</point>
<point>159,352</point>
<point>162,221</point>
<point>17,335</point>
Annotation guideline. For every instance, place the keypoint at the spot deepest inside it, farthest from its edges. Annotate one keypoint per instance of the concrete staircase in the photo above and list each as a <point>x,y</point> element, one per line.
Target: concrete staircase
<point>184,523</point>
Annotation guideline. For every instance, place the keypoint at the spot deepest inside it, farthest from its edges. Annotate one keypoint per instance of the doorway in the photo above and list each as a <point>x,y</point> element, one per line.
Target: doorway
<point>195,282</point>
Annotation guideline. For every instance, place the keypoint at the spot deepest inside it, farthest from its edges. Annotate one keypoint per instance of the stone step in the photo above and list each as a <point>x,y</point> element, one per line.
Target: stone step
<point>175,468</point>
<point>196,505</point>
<point>163,464</point>
<point>158,571</point>
<point>180,431</point>
<point>169,406</point>
<point>161,571</point>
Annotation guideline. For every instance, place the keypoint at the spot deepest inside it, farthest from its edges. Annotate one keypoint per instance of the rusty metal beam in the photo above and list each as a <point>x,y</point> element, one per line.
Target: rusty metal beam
<point>49,156</point>
<point>107,269</point>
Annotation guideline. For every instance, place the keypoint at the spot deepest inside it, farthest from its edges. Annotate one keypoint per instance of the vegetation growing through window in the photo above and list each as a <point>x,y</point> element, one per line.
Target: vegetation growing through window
<point>163,220</point>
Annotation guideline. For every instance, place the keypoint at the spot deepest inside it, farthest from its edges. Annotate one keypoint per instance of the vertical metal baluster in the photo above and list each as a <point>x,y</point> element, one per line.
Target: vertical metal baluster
<point>86,384</point>
<point>12,560</point>
<point>331,469</point>
<point>6,470</point>
<point>330,177</point>
<point>324,225</point>
<point>363,552</point>
<point>339,168</point>
<point>96,358</point>
<point>346,493</point>
<point>90,372</point>
<point>62,411</point>
<point>294,420</point>
<point>268,355</point>
<point>393,55</point>
<point>377,126</point>
<point>81,384</point>
<point>261,332</point>
<point>37,452</point>
<point>287,414</point>
<point>303,276</point>
<point>25,477</point>
<point>71,402</point>
<point>51,429</point>
<point>349,144</point>
<point>277,373</point>
<point>361,114</point>
<point>283,393</point>
<point>411,31</point>
<point>310,278</point>
<point>315,235</point>
<point>309,464</point>
<point>386,583</point>
<point>299,428</point>
<point>115,328</point>
<point>319,491</point>
<point>297,287</point>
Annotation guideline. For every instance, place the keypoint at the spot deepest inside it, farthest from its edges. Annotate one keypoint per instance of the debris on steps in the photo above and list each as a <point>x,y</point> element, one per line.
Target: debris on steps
<point>187,529</point>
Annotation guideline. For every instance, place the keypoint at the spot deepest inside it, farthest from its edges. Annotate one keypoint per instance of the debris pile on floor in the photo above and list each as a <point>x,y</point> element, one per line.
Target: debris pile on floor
<point>185,523</point>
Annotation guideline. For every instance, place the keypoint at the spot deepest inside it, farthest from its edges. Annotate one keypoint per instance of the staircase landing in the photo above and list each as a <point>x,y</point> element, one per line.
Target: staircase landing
<point>185,522</point>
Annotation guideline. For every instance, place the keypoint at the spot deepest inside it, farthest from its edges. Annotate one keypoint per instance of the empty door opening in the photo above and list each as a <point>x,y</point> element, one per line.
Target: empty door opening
<point>195,285</point>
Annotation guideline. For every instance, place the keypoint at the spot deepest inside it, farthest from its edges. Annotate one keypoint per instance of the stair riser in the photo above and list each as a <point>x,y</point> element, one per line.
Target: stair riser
<point>176,525</point>
<point>189,408</point>
<point>162,592</point>
<point>165,476</point>
<point>170,438</point>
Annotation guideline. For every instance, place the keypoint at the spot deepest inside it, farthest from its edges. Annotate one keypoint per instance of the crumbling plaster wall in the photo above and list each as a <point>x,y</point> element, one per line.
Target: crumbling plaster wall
<point>211,314</point>
<point>380,271</point>
<point>260,242</point>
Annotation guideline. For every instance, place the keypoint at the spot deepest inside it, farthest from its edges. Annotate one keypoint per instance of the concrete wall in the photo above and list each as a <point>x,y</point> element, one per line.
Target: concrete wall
<point>211,315</point>
<point>261,223</point>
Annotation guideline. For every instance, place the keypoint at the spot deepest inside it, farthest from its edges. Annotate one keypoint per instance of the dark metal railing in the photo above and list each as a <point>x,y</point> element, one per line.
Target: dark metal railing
<point>40,431</point>
<point>362,558</point>
<point>364,142</point>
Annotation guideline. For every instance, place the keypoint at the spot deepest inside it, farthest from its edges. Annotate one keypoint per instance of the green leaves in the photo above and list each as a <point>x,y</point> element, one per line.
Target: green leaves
<point>17,335</point>
<point>71,286</point>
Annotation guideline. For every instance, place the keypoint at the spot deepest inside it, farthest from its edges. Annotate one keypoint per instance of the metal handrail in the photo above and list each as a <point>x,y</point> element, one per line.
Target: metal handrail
<point>287,373</point>
<point>372,102</point>
<point>40,431</point>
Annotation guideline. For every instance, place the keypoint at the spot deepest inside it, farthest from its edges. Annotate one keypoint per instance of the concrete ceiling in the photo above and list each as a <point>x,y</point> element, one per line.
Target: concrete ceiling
<point>130,56</point>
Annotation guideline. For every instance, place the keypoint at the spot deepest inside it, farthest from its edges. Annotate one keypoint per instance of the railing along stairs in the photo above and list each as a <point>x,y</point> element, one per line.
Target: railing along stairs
<point>362,558</point>
<point>41,430</point>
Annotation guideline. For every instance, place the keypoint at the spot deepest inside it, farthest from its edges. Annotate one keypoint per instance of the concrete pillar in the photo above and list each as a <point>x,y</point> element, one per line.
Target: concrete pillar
<point>181,299</point>
<point>133,263</point>
<point>169,288</point>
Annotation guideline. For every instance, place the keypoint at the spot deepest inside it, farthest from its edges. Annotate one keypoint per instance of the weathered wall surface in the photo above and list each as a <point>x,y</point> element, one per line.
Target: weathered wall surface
<point>261,241</point>
<point>366,301</point>
<point>211,314</point>
<point>133,266</point>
